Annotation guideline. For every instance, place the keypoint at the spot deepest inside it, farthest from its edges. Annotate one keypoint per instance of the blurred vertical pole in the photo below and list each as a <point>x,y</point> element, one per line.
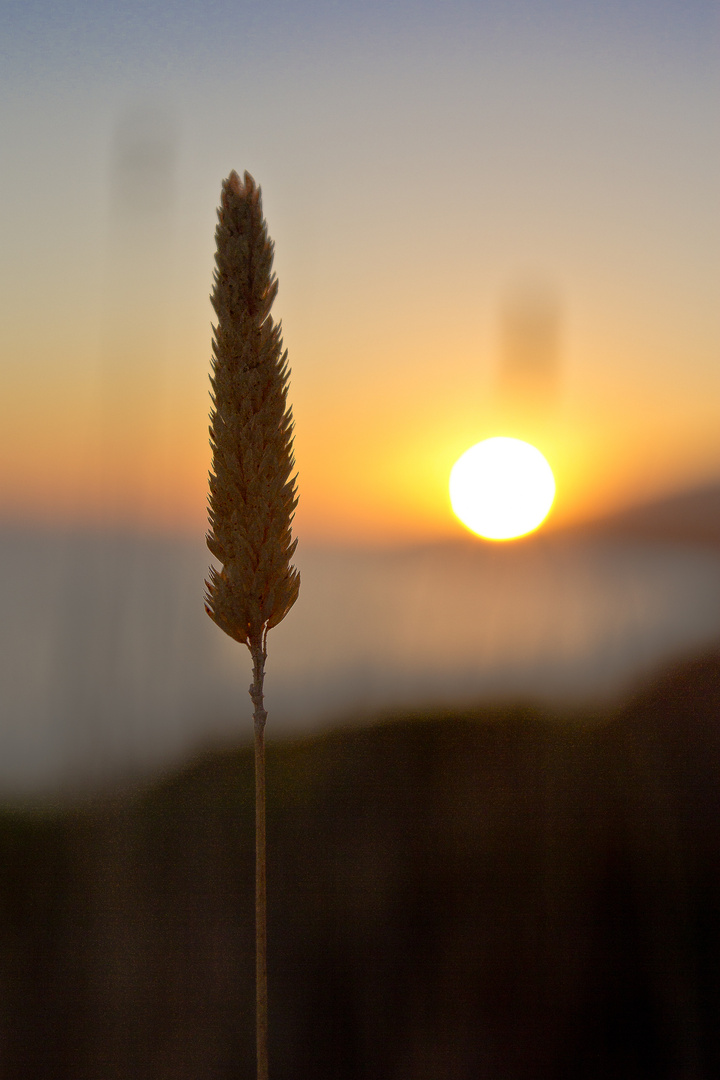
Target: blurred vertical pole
<point>139,273</point>
<point>127,428</point>
<point>138,261</point>
<point>529,370</point>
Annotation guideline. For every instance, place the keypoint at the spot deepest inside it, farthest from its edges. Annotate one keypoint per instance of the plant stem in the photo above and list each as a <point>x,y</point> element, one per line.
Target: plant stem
<point>257,650</point>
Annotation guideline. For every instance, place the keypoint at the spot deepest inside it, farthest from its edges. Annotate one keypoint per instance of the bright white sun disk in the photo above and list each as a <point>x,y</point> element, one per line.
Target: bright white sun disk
<point>502,488</point>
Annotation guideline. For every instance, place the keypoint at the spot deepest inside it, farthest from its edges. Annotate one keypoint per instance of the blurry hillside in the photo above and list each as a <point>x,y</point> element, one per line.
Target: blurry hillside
<point>110,669</point>
<point>686,516</point>
<point>490,894</point>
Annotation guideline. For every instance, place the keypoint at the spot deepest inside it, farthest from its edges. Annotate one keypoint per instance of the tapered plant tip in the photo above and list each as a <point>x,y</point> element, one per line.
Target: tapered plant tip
<point>238,186</point>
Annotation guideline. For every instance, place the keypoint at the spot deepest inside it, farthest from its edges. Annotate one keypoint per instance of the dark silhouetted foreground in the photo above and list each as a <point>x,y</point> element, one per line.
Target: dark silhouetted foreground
<point>499,895</point>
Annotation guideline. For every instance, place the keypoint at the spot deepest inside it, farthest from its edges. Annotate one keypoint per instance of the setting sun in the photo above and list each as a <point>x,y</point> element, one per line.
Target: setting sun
<point>501,488</point>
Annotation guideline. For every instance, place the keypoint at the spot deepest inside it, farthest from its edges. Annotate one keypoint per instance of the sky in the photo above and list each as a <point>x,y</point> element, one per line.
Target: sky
<point>433,176</point>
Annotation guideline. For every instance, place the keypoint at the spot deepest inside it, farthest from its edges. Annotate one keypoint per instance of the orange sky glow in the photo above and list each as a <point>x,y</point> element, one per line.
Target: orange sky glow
<point>417,175</point>
<point>374,447</point>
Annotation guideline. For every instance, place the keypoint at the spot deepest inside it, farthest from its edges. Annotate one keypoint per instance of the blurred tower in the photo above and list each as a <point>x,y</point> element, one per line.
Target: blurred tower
<point>142,169</point>
<point>121,664</point>
<point>138,294</point>
<point>529,370</point>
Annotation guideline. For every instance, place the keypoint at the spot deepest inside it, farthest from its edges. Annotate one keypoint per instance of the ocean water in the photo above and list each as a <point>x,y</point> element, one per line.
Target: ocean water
<point>110,668</point>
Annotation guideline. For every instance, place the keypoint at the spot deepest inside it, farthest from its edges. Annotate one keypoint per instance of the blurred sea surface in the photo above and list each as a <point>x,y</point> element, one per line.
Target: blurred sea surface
<point>110,668</point>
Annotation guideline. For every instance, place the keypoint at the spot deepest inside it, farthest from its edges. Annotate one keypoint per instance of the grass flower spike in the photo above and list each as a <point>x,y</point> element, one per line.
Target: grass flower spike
<point>252,492</point>
<point>252,487</point>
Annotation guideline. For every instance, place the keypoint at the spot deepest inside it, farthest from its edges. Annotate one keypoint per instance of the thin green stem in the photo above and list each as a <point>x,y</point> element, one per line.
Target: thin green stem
<point>257,650</point>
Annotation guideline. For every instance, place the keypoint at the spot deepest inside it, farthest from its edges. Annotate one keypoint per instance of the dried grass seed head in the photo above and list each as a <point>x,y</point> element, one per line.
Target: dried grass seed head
<point>252,497</point>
